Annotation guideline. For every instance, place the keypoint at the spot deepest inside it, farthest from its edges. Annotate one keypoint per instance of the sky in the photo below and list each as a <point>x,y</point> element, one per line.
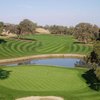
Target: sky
<point>50,12</point>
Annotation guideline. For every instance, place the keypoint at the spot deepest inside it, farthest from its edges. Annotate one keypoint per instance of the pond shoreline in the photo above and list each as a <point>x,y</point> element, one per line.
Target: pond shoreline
<point>42,56</point>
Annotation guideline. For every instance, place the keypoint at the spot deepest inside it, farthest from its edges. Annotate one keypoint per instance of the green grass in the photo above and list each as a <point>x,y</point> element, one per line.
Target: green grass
<point>46,80</point>
<point>44,44</point>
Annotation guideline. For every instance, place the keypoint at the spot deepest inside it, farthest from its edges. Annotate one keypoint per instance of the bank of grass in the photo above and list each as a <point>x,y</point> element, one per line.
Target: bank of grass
<point>41,44</point>
<point>46,81</point>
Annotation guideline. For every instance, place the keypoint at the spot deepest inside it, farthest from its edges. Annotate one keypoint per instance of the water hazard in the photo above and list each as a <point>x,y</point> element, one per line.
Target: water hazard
<point>64,62</point>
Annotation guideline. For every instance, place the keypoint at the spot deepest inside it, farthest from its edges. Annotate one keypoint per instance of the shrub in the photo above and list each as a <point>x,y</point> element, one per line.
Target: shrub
<point>4,74</point>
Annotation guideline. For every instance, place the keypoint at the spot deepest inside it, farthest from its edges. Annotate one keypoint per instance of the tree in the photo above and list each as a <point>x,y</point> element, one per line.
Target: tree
<point>55,29</point>
<point>4,74</point>
<point>95,31</point>
<point>11,28</point>
<point>86,32</point>
<point>93,57</point>
<point>97,49</point>
<point>92,79</point>
<point>97,72</point>
<point>70,30</point>
<point>1,26</point>
<point>27,26</point>
<point>98,36</point>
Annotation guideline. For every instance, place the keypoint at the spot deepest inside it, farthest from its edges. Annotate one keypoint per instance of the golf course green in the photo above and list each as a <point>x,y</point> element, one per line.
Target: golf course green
<point>41,44</point>
<point>46,81</point>
<point>39,80</point>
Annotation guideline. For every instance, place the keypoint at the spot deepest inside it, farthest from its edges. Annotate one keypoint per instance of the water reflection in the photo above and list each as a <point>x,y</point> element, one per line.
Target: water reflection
<point>81,63</point>
<point>64,62</point>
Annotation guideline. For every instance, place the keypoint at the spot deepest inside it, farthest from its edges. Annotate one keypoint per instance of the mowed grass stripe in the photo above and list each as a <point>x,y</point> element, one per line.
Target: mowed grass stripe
<point>45,79</point>
<point>43,44</point>
<point>56,49</point>
<point>19,46</point>
<point>53,49</point>
<point>6,54</point>
<point>76,48</point>
<point>53,45</point>
<point>7,48</point>
<point>8,51</point>
<point>70,47</point>
<point>49,47</point>
<point>13,47</point>
<point>37,80</point>
<point>30,47</point>
<point>87,49</point>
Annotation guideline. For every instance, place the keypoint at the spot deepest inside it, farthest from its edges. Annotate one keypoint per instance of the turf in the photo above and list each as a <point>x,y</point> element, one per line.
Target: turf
<point>41,44</point>
<point>46,80</point>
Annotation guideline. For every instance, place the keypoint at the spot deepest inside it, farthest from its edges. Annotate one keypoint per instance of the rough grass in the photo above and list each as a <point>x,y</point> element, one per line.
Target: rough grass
<point>41,44</point>
<point>46,80</point>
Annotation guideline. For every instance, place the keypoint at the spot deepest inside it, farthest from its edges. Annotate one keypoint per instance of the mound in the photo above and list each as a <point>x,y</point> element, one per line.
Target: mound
<point>8,34</point>
<point>41,98</point>
<point>42,31</point>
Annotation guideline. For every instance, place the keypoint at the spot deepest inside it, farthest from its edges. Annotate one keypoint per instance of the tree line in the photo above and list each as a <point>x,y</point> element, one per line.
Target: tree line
<point>93,74</point>
<point>83,32</point>
<point>24,27</point>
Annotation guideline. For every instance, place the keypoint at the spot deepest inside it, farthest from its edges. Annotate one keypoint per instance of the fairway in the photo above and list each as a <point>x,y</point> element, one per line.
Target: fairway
<point>41,44</point>
<point>46,80</point>
<point>41,78</point>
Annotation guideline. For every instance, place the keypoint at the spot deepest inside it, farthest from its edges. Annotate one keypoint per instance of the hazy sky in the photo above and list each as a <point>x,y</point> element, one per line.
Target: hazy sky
<point>60,12</point>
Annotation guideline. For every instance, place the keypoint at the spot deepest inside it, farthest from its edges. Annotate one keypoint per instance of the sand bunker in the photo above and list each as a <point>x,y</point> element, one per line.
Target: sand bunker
<point>42,31</point>
<point>41,98</point>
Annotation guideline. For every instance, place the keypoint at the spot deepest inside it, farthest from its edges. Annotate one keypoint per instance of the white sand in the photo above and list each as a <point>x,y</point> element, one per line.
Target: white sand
<point>42,31</point>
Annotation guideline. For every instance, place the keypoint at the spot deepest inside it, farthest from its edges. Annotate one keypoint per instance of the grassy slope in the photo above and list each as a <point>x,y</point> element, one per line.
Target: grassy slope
<point>45,44</point>
<point>34,80</point>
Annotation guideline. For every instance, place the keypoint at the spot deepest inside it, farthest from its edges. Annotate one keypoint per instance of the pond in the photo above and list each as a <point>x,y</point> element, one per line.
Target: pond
<point>64,62</point>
